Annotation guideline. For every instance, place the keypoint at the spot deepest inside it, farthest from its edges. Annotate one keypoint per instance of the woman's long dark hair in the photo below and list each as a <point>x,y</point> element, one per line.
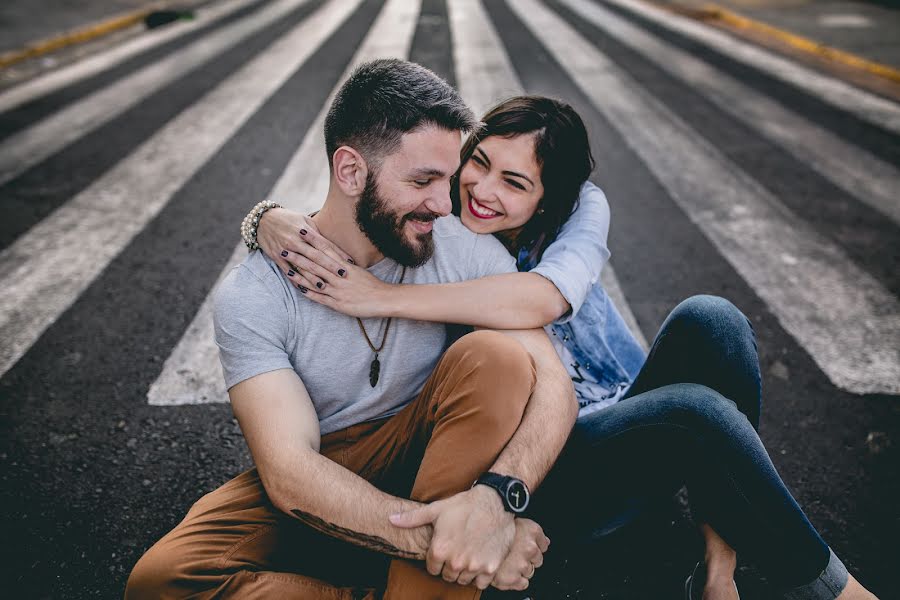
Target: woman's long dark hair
<point>562,151</point>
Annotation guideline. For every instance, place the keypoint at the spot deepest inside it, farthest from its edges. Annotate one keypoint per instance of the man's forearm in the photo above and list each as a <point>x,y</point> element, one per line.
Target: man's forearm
<point>548,419</point>
<point>339,503</point>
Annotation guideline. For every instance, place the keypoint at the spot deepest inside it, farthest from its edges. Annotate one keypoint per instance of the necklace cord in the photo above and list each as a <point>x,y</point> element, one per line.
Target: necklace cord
<point>387,327</point>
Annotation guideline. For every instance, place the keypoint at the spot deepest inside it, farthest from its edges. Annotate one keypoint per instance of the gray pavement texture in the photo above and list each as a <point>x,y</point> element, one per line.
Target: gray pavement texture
<point>862,28</point>
<point>22,23</point>
<point>91,475</point>
<point>870,29</point>
<point>867,29</point>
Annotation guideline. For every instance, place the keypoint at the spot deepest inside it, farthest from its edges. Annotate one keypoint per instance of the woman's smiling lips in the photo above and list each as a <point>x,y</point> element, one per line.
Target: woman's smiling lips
<point>482,212</point>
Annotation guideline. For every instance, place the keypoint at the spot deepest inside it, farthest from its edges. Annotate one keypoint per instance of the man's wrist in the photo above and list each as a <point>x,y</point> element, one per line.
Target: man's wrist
<point>418,540</point>
<point>488,496</point>
<point>513,493</point>
<point>415,540</point>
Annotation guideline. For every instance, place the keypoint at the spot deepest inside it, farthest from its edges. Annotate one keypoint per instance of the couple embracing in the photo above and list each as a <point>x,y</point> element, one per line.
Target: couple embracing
<point>431,379</point>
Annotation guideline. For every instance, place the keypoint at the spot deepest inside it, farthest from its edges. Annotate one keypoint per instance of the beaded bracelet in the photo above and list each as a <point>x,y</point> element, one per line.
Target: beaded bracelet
<point>251,222</point>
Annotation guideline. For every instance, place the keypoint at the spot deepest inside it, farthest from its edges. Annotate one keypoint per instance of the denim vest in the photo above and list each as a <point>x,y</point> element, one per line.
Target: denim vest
<point>600,342</point>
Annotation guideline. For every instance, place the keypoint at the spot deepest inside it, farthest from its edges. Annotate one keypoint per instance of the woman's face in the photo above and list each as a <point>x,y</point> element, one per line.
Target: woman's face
<point>500,186</point>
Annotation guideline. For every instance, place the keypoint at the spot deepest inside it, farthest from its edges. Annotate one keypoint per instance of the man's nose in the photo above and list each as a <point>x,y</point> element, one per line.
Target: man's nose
<point>439,202</point>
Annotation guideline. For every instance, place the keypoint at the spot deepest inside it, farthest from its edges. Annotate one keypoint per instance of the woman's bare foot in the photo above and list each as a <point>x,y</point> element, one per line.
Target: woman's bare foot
<point>721,562</point>
<point>720,590</point>
<point>855,591</point>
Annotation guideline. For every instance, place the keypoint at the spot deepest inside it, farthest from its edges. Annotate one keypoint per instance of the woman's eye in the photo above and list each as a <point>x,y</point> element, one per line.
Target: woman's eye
<point>477,160</point>
<point>515,184</point>
<point>422,182</point>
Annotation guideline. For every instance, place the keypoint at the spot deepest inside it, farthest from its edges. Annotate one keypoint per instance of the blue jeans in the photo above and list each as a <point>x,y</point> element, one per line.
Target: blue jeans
<point>691,418</point>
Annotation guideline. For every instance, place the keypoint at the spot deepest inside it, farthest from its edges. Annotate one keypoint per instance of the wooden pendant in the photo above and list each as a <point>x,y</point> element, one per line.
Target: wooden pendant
<point>374,371</point>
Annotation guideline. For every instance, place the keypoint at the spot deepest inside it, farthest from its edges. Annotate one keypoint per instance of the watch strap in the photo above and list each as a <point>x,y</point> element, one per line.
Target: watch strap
<point>501,483</point>
<point>494,480</point>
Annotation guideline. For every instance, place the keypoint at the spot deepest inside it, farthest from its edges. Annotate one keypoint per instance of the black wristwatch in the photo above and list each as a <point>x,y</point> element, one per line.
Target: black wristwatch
<point>513,492</point>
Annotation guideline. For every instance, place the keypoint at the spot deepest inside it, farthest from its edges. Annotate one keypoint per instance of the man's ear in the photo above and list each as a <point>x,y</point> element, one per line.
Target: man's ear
<point>350,170</point>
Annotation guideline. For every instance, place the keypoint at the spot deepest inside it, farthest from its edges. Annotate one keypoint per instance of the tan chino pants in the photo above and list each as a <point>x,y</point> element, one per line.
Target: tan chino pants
<point>234,543</point>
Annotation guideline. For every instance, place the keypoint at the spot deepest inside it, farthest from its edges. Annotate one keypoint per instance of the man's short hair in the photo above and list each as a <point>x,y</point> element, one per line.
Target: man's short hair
<point>385,98</point>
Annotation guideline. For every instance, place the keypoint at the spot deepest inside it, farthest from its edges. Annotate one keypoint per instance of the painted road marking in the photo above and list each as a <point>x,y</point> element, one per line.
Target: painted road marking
<point>842,20</point>
<point>81,237</point>
<point>192,374</point>
<point>850,168</point>
<point>483,71</point>
<point>878,111</point>
<point>34,144</point>
<point>485,76</point>
<point>847,321</point>
<point>71,74</point>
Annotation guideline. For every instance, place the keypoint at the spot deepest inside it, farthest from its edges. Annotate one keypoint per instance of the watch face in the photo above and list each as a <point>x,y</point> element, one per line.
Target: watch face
<point>517,496</point>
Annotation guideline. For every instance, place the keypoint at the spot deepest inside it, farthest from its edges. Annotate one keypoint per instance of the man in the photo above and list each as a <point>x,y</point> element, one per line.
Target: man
<point>366,436</point>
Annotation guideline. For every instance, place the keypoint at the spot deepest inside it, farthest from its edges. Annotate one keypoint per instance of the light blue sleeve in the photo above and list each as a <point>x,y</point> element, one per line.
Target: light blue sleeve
<point>574,260</point>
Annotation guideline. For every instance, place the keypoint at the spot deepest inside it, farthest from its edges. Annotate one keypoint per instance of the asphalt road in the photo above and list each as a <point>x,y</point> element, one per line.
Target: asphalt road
<point>728,172</point>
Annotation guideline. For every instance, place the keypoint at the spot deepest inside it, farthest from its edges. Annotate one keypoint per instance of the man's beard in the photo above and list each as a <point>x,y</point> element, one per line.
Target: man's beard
<point>386,230</point>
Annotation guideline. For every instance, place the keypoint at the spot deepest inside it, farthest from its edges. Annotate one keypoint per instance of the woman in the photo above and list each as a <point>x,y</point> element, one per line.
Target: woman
<point>687,413</point>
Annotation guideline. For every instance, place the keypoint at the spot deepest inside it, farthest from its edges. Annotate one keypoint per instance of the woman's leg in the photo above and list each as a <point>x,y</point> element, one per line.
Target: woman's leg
<point>707,340</point>
<point>647,445</point>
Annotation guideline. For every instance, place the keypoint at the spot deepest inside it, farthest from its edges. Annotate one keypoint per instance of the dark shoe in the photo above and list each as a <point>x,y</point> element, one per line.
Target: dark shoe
<point>693,585</point>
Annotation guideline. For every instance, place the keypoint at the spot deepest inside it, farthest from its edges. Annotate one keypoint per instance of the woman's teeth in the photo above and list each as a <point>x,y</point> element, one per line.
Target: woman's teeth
<point>482,211</point>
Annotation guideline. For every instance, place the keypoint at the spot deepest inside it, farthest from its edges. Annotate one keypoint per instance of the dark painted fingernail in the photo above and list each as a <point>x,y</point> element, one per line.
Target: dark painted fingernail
<point>290,273</point>
<point>302,232</point>
<point>342,272</point>
<point>351,261</point>
<point>319,284</point>
<point>302,289</point>
<point>284,253</point>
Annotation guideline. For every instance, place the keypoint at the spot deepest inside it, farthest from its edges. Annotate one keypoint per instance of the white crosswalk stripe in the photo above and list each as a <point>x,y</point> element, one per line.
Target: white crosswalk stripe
<point>101,220</point>
<point>847,321</point>
<point>192,373</point>
<point>484,81</point>
<point>97,63</point>
<point>850,168</point>
<point>30,146</point>
<point>878,111</point>
<point>484,73</point>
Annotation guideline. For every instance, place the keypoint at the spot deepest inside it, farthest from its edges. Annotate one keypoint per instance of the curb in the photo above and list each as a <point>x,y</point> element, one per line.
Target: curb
<point>79,36</point>
<point>716,13</point>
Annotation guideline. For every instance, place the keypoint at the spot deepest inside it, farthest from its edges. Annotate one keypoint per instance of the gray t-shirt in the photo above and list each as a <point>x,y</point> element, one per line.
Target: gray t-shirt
<point>262,324</point>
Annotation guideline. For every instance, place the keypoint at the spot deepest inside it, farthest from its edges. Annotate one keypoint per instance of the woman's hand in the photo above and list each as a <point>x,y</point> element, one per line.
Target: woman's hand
<point>320,269</point>
<point>526,555</point>
<point>282,230</point>
<point>341,286</point>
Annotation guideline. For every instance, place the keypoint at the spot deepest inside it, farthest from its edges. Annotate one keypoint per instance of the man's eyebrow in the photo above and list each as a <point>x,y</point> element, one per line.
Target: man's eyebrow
<point>426,172</point>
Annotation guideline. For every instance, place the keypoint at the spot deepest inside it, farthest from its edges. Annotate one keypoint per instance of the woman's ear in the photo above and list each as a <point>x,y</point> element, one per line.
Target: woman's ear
<point>350,170</point>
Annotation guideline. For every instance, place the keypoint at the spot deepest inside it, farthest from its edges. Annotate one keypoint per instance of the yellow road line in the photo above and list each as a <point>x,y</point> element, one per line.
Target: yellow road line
<point>717,13</point>
<point>78,36</point>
